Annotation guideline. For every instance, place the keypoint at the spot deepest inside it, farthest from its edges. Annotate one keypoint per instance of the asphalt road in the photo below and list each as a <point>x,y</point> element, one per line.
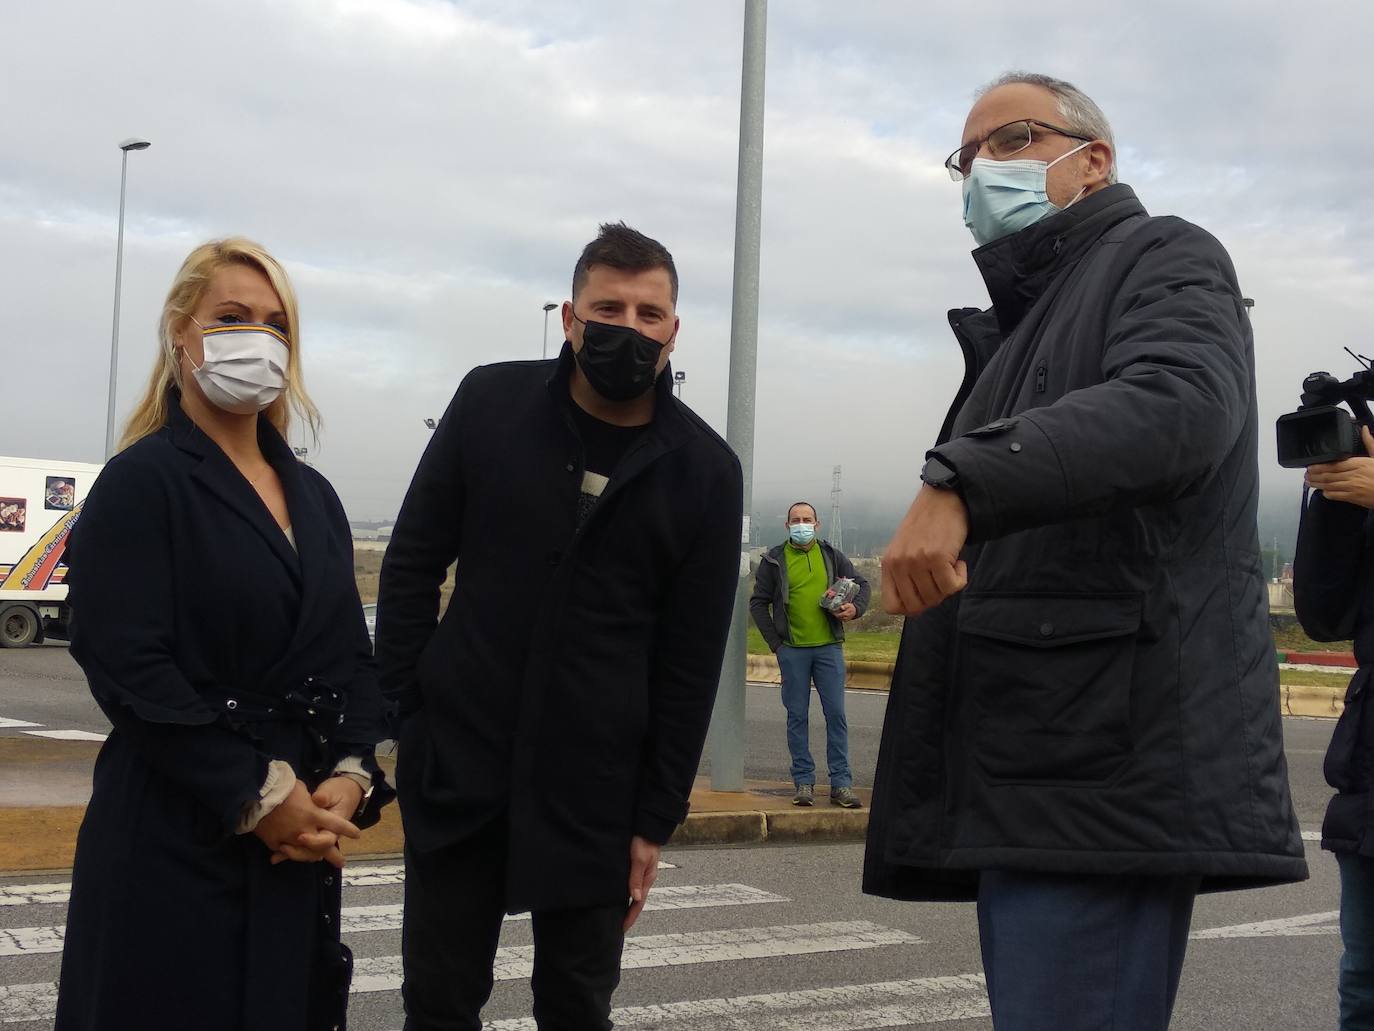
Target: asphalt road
<point>763,937</point>
<point>43,685</point>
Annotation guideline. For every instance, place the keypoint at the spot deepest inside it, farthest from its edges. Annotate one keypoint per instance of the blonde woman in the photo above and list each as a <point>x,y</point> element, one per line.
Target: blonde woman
<point>216,618</point>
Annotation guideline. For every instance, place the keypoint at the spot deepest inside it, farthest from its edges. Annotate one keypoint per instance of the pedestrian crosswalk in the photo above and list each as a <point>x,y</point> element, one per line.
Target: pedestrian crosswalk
<point>697,936</point>
<point>31,729</point>
<point>372,917</point>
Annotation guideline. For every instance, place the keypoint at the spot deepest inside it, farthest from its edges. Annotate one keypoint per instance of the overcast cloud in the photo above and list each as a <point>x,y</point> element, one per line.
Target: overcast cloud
<point>428,172</point>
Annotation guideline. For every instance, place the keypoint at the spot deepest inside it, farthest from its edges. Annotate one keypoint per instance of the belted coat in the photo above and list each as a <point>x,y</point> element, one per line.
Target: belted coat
<point>208,640</point>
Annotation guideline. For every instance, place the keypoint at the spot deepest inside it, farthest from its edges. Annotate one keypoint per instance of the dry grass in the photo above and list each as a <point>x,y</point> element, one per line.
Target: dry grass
<point>367,570</point>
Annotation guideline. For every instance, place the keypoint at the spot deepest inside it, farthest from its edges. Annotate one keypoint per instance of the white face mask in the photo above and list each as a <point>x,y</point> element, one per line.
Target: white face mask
<point>244,369</point>
<point>1004,197</point>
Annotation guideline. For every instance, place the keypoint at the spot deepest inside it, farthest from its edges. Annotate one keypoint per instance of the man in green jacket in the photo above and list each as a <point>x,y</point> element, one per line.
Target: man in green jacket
<point>786,606</point>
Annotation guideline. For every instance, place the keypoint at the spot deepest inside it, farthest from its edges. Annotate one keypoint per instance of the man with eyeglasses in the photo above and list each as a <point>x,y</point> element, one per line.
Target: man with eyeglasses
<point>1083,729</point>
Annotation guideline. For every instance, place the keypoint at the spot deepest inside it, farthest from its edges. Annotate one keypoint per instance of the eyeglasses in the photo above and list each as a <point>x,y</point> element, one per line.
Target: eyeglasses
<point>1002,143</point>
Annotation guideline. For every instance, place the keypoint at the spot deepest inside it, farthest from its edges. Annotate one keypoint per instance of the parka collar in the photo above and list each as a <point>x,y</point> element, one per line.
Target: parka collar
<point>1018,268</point>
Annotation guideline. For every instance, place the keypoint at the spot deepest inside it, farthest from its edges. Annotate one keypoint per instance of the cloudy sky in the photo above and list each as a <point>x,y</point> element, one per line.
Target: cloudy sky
<point>428,171</point>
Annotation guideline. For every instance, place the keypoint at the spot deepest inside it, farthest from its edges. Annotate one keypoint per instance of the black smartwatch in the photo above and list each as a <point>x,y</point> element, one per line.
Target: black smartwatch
<point>939,475</point>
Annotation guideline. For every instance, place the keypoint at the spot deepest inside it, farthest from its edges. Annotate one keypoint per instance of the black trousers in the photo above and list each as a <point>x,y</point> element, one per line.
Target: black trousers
<point>454,906</point>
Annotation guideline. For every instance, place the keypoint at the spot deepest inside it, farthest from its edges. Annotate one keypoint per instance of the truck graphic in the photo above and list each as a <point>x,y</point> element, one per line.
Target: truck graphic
<point>40,503</point>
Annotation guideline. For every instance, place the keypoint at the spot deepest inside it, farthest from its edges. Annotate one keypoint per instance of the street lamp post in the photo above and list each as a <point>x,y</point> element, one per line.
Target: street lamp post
<point>548,307</point>
<point>728,718</point>
<point>126,146</point>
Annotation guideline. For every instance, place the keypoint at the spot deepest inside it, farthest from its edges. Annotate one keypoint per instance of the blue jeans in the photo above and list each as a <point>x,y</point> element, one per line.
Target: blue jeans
<point>824,665</point>
<point>1079,952</point>
<point>1357,935</point>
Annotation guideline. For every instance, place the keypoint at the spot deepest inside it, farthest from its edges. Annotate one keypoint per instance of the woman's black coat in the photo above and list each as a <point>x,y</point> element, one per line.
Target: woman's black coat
<point>206,638</point>
<point>1333,593</point>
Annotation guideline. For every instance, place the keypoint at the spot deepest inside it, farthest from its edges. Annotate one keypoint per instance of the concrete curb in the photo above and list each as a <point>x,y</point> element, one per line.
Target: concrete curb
<point>1294,699</point>
<point>1305,700</point>
<point>795,827</point>
<point>44,838</point>
<point>859,674</point>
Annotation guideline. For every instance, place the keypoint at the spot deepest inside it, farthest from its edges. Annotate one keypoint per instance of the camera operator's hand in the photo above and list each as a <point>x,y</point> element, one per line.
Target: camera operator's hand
<point>1351,481</point>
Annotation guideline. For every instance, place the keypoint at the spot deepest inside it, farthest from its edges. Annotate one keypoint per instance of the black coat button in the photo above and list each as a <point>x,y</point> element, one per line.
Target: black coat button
<point>1046,629</point>
<point>570,467</point>
<point>1015,448</point>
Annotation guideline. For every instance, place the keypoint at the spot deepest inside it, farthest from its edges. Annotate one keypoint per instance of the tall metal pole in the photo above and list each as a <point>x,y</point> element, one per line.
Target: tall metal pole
<point>114,332</point>
<point>727,722</point>
<point>133,143</point>
<point>548,307</point>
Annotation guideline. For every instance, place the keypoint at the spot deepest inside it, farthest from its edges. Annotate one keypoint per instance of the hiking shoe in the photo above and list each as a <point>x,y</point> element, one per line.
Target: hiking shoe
<point>806,795</point>
<point>845,798</point>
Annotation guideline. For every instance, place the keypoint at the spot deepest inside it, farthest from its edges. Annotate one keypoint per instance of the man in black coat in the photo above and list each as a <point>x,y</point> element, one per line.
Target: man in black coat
<point>1333,594</point>
<point>552,721</point>
<point>1084,728</point>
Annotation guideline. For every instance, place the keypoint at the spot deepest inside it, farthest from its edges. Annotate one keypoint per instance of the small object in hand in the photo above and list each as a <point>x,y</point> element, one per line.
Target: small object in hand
<point>839,594</point>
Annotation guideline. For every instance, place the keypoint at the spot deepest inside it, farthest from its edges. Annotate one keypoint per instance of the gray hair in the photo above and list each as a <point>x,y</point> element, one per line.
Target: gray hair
<point>1080,112</point>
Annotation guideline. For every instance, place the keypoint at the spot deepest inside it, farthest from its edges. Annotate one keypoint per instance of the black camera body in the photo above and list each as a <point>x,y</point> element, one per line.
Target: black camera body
<point>1321,431</point>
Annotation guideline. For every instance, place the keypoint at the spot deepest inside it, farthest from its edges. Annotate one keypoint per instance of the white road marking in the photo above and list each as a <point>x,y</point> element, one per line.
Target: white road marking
<point>35,894</point>
<point>353,877</point>
<point>38,941</point>
<point>35,1002</point>
<point>20,1003</point>
<point>8,724</point>
<point>926,1000</point>
<point>383,973</point>
<point>31,941</point>
<point>1288,927</point>
<point>67,735</point>
<point>361,919</point>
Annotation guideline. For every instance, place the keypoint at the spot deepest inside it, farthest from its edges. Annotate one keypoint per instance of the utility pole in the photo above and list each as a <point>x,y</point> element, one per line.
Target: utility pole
<point>727,721</point>
<point>836,519</point>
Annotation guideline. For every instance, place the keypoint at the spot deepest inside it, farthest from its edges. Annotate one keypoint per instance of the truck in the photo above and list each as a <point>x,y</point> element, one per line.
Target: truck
<point>40,502</point>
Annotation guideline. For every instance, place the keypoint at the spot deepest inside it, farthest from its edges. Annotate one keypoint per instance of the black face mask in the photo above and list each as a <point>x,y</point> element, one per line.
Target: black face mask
<point>619,362</point>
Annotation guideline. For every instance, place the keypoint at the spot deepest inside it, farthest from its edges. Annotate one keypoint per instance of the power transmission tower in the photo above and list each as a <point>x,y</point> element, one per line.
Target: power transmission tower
<point>836,520</point>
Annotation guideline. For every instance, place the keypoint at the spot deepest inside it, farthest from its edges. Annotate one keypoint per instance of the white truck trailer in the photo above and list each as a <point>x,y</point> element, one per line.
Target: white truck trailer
<point>40,502</point>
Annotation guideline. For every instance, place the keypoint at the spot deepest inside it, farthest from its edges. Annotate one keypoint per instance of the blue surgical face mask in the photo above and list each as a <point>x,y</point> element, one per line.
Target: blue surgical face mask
<point>1004,197</point>
<point>801,534</point>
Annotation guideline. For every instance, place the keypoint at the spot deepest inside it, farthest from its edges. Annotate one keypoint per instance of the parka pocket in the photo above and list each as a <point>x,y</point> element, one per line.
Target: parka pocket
<point>1051,681</point>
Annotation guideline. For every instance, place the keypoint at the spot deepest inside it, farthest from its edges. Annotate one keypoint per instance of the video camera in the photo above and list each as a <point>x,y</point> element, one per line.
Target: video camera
<point>1320,431</point>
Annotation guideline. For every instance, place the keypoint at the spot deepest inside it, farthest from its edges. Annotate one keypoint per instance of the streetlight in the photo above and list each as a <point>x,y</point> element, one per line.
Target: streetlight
<point>679,378</point>
<point>728,717</point>
<point>126,146</point>
<point>550,306</point>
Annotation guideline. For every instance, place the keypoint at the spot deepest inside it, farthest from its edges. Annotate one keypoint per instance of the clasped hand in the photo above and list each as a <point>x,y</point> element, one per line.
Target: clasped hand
<point>306,828</point>
<point>1351,481</point>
